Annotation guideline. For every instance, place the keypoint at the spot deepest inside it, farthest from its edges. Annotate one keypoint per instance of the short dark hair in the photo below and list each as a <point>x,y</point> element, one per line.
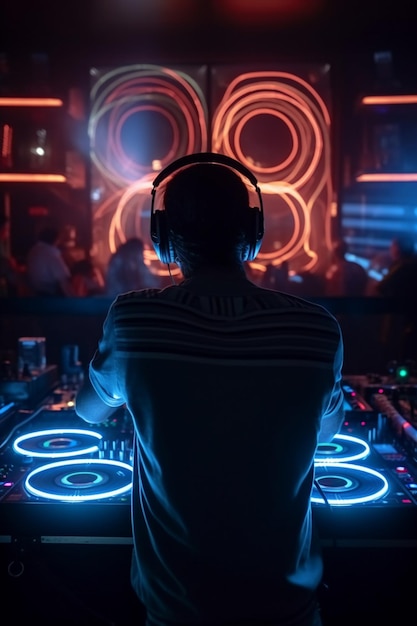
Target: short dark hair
<point>206,214</point>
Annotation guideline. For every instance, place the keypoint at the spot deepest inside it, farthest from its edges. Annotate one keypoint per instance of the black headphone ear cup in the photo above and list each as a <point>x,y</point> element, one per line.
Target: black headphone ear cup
<point>255,232</point>
<point>160,237</point>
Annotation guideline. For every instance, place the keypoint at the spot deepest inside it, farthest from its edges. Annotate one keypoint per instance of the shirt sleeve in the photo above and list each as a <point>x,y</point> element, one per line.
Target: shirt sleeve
<point>103,367</point>
<point>337,397</point>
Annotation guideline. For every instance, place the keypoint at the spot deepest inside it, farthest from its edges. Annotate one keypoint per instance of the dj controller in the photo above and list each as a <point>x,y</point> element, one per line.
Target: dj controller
<point>366,478</point>
<point>65,489</point>
<point>61,477</point>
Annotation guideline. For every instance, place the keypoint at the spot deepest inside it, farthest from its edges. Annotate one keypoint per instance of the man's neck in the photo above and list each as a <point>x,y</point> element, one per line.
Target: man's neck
<point>218,280</point>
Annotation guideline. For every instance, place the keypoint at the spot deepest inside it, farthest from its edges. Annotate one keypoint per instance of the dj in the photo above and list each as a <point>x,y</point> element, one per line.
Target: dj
<point>230,388</point>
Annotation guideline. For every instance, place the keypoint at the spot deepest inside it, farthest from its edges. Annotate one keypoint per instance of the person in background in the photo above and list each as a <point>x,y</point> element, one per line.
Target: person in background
<point>86,279</point>
<point>401,278</point>
<point>345,278</point>
<point>400,284</point>
<point>210,371</point>
<point>47,272</point>
<point>127,270</point>
<point>71,251</point>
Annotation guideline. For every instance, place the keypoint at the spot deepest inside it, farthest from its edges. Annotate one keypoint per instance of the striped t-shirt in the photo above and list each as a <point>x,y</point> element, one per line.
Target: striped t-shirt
<point>228,394</point>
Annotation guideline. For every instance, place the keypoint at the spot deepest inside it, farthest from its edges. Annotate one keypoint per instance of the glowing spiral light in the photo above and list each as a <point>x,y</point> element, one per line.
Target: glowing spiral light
<point>142,118</point>
<point>296,186</point>
<point>342,448</point>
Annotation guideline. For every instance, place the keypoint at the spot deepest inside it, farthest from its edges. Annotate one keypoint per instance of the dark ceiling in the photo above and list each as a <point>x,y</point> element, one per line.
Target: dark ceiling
<point>77,35</point>
<point>201,27</point>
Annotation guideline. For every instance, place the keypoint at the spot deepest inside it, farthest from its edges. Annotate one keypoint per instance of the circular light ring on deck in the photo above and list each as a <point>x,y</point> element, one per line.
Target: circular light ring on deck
<point>344,484</point>
<point>57,443</point>
<point>80,480</point>
<point>343,448</point>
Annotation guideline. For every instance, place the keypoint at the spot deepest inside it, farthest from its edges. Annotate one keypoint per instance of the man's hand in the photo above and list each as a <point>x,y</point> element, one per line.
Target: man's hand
<point>90,407</point>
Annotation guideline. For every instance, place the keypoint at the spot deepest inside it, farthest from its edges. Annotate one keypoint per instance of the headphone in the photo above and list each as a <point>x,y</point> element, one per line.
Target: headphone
<point>159,223</point>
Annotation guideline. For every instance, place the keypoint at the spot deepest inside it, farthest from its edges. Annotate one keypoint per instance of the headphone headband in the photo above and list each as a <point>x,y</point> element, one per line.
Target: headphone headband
<point>204,157</point>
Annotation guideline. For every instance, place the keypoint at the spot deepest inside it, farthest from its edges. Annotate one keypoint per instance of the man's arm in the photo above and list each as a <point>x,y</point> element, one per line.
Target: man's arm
<point>331,425</point>
<point>90,407</point>
<point>332,420</point>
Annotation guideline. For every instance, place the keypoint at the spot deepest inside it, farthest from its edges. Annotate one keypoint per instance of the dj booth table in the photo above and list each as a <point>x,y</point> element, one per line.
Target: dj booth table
<point>65,532</point>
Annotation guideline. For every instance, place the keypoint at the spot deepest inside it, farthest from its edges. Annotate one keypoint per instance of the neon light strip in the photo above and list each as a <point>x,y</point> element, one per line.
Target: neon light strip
<point>373,210</point>
<point>6,147</point>
<point>387,178</point>
<point>380,224</point>
<point>32,178</point>
<point>31,102</point>
<point>409,99</point>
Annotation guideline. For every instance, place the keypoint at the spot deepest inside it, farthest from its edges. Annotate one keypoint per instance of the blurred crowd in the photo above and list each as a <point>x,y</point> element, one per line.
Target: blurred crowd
<point>52,269</point>
<point>391,274</point>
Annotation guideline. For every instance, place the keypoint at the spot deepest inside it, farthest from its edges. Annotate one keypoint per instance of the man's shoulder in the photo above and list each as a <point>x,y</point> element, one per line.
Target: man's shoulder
<point>258,300</point>
<point>142,296</point>
<point>284,300</point>
<point>151,298</point>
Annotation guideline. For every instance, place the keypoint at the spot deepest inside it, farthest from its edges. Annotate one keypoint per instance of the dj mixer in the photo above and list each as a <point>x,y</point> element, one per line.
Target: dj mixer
<point>366,478</point>
<point>68,474</point>
<point>65,490</point>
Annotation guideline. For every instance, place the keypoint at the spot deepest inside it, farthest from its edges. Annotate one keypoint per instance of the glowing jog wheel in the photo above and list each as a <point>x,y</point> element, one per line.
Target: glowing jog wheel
<point>344,484</point>
<point>342,448</point>
<point>57,443</point>
<point>80,480</point>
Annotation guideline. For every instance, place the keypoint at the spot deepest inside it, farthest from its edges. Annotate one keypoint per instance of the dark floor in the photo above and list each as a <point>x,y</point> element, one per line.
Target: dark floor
<point>89,586</point>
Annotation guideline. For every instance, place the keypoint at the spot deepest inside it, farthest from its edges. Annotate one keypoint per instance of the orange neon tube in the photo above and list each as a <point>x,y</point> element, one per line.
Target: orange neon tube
<point>406,99</point>
<point>31,102</point>
<point>387,178</point>
<point>32,178</point>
